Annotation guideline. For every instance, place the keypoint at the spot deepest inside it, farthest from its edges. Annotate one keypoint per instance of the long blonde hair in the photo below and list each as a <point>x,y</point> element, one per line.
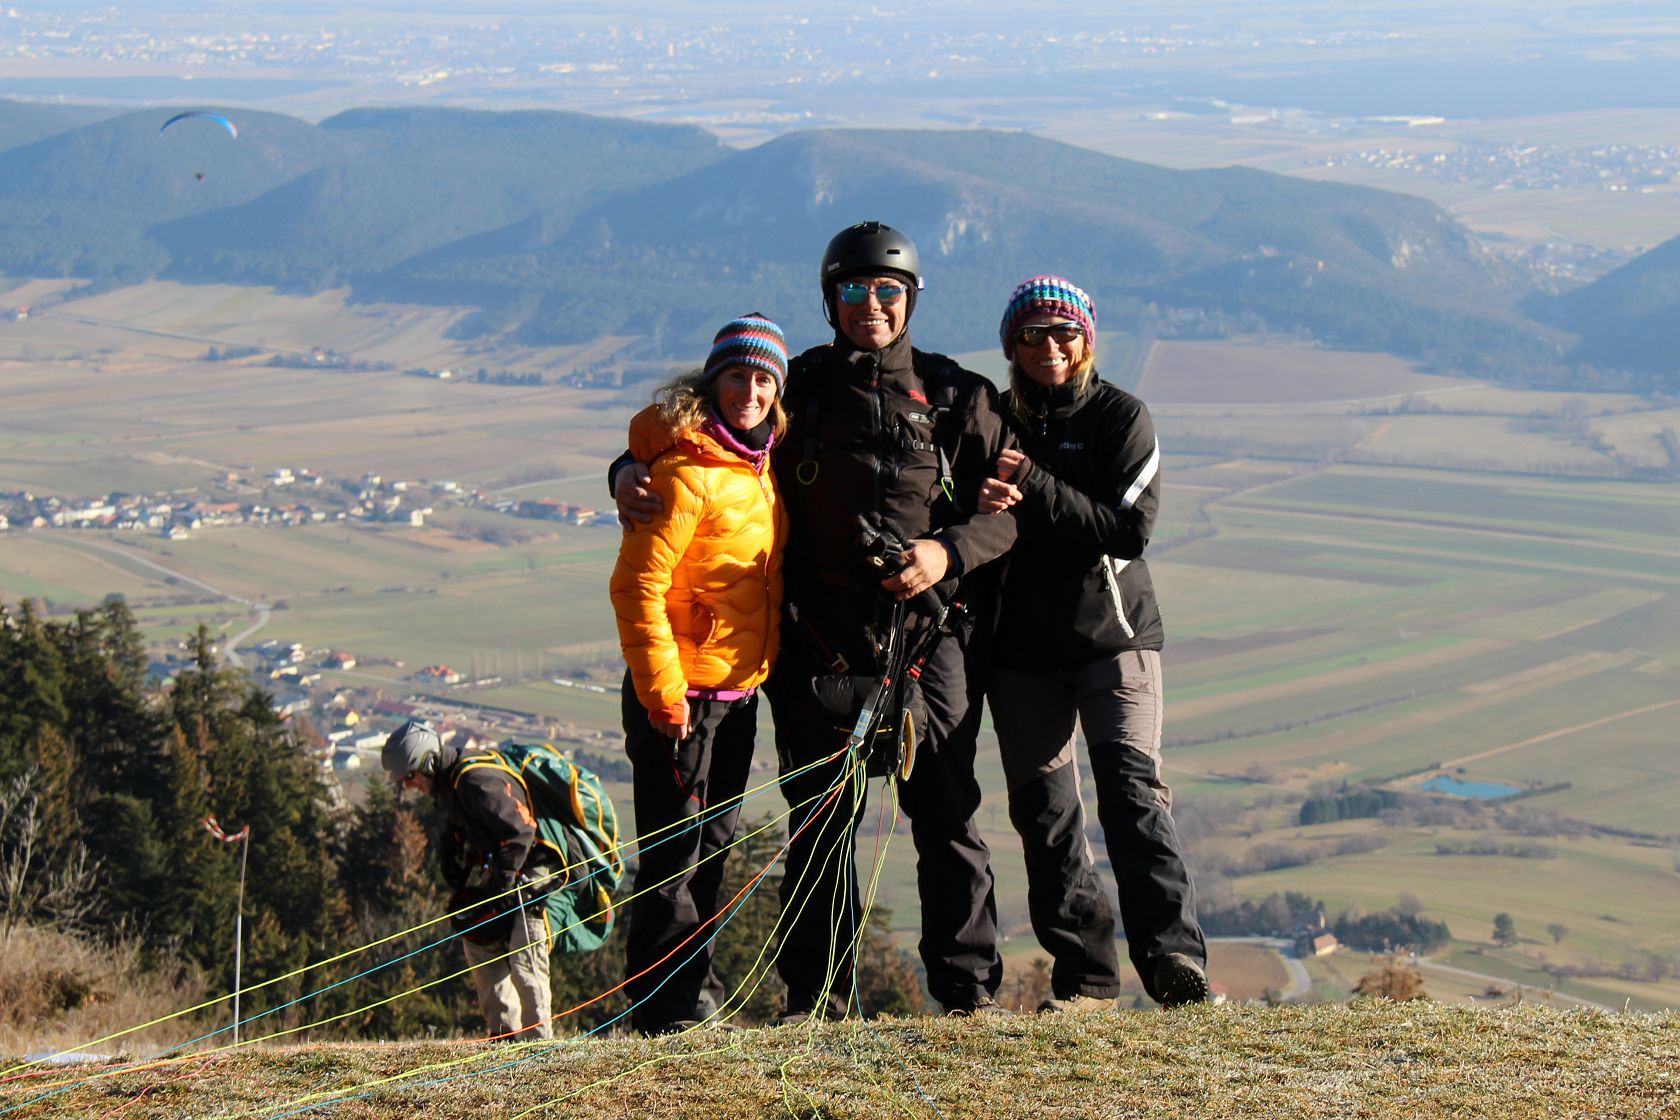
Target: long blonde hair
<point>685,402</point>
<point>1083,373</point>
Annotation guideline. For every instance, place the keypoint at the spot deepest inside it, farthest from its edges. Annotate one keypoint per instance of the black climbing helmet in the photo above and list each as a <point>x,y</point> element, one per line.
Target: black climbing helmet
<point>866,249</point>
<point>870,247</point>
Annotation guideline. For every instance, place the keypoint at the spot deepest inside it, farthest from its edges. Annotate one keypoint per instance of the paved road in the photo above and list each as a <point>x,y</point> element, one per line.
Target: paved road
<point>114,324</point>
<point>231,645</point>
<point>600,475</point>
<point>1299,982</point>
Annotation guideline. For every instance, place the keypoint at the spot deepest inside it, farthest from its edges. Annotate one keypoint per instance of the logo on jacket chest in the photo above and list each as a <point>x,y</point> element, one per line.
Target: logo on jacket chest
<point>1071,445</point>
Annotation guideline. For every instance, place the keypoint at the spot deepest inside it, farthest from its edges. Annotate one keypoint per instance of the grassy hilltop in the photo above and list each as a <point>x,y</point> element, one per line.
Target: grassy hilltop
<point>1373,1058</point>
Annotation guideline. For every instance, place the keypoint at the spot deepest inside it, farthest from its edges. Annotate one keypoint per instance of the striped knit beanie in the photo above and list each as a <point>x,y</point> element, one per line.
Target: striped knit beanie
<point>752,341</point>
<point>1046,295</point>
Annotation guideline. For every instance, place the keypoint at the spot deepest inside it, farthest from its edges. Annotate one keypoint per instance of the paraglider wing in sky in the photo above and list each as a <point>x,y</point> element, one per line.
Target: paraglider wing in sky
<point>200,114</point>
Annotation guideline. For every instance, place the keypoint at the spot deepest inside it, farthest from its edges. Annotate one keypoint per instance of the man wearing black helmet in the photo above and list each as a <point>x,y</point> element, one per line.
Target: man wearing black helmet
<point>500,873</point>
<point>877,428</point>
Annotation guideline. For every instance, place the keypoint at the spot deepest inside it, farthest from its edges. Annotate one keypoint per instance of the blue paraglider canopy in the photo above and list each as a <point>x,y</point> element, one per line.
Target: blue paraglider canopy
<point>203,115</point>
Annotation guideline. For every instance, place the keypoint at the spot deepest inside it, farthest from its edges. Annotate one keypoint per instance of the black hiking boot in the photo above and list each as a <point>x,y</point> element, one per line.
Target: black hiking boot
<point>1176,980</point>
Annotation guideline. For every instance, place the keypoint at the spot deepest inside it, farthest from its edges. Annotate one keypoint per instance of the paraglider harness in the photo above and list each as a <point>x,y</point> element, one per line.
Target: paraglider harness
<point>884,711</point>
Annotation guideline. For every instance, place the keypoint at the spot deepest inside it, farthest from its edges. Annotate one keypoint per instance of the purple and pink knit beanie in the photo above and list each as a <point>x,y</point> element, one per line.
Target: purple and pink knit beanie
<point>752,341</point>
<point>1046,295</point>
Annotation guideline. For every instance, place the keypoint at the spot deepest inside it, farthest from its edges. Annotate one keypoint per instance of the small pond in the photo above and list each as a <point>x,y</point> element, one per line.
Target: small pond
<point>1478,791</point>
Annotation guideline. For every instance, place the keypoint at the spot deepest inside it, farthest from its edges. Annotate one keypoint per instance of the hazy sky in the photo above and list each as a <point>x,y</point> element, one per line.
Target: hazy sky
<point>782,64</point>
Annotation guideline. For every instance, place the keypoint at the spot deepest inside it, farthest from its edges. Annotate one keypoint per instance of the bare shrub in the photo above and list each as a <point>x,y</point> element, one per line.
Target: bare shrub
<point>1395,979</point>
<point>1358,843</point>
<point>1196,819</point>
<point>61,991</point>
<point>63,891</point>
<point>1272,857</point>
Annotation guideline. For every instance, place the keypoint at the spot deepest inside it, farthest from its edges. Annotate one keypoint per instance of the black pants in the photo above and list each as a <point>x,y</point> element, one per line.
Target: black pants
<point>820,910</point>
<point>677,886</point>
<point>1118,703</point>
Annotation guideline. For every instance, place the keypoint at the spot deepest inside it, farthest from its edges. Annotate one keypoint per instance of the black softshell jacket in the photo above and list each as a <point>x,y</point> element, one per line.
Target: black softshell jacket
<point>1088,504</point>
<point>880,431</point>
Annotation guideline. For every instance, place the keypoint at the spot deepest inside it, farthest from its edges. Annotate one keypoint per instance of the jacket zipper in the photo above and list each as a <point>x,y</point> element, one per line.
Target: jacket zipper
<point>878,421</point>
<point>1112,567</point>
<point>763,472</point>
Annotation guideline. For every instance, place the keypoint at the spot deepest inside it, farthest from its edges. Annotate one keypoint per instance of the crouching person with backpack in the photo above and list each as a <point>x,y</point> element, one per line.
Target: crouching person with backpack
<point>530,847</point>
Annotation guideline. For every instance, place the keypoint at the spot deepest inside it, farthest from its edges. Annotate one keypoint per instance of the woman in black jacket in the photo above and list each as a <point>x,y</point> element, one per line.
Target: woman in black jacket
<point>1079,635</point>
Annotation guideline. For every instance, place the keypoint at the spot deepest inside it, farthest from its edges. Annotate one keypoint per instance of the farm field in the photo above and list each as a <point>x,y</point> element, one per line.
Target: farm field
<point>1345,598</point>
<point>113,387</point>
<point>1378,621</point>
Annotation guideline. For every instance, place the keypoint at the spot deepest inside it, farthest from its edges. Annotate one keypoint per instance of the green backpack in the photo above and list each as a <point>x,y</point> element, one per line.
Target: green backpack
<point>576,820</point>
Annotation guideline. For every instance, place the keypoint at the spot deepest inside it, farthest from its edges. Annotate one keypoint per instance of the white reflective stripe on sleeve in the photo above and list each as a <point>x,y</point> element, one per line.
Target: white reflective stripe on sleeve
<point>1144,478</point>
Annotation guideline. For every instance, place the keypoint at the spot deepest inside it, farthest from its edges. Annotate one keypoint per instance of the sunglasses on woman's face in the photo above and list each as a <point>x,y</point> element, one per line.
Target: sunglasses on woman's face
<point>1062,332</point>
<point>885,294</point>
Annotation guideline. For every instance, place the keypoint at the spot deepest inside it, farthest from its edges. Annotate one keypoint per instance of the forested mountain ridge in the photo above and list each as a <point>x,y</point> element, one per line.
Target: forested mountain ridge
<point>1629,319</point>
<point>1218,249</point>
<point>307,206</point>
<point>23,122</point>
<point>563,227</point>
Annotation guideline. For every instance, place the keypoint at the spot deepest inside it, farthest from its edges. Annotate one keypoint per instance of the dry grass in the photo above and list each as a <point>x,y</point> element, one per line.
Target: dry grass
<point>1370,1059</point>
<point>58,991</point>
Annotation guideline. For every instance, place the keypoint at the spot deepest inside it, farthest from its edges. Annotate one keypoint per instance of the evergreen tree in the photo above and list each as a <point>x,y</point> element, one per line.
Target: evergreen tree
<point>258,778</point>
<point>110,725</point>
<point>31,688</point>
<point>391,886</point>
<point>133,859</point>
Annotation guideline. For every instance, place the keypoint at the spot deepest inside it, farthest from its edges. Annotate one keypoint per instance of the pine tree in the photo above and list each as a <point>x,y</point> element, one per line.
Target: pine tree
<point>31,688</point>
<point>391,886</point>
<point>110,725</point>
<point>259,779</point>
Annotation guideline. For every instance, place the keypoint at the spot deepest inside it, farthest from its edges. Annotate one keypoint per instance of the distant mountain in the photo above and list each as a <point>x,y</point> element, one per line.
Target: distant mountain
<point>564,227</point>
<point>81,203</point>
<point>1629,319</point>
<point>403,181</point>
<point>24,122</point>
<point>1228,248</point>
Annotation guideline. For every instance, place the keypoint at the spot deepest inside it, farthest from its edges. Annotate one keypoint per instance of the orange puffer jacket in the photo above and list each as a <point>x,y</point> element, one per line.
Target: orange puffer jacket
<point>698,593</point>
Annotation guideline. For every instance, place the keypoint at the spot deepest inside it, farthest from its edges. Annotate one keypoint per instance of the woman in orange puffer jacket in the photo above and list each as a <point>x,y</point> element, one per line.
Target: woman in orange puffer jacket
<point>698,595</point>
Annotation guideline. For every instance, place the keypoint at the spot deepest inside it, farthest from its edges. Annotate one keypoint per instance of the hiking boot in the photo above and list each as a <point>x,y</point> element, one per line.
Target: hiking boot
<point>1076,1005</point>
<point>1176,980</point>
<point>982,1006</point>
